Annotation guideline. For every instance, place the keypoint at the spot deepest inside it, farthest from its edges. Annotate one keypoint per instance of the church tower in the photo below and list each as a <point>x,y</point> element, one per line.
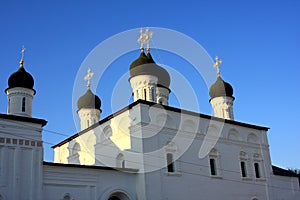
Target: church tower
<point>20,91</point>
<point>149,81</point>
<point>88,105</point>
<point>221,96</point>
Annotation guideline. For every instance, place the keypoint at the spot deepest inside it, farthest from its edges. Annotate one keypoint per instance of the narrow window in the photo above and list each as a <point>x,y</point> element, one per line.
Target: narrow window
<point>145,94</point>
<point>243,168</point>
<point>123,164</point>
<point>213,170</point>
<point>8,109</point>
<point>153,97</point>
<point>256,167</point>
<point>23,104</point>
<point>88,123</point>
<point>137,94</point>
<point>170,162</point>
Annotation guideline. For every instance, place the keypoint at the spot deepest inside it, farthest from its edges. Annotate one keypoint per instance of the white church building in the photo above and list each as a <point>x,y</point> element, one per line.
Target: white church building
<point>147,150</point>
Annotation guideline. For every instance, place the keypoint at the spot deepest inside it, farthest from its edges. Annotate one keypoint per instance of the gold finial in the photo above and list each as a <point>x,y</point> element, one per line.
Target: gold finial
<point>22,56</point>
<point>144,39</point>
<point>217,64</point>
<point>88,78</point>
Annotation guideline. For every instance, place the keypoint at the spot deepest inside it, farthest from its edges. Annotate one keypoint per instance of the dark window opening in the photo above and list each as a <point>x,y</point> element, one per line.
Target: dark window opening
<point>243,168</point>
<point>213,170</point>
<point>23,104</point>
<point>257,172</point>
<point>145,94</point>
<point>170,162</point>
<point>114,198</point>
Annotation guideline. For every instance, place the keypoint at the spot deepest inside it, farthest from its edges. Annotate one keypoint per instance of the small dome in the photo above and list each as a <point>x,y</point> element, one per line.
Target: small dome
<point>20,78</point>
<point>146,65</point>
<point>220,88</point>
<point>89,100</point>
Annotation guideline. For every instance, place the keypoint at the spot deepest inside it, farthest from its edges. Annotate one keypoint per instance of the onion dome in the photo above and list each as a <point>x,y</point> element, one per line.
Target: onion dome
<point>220,88</point>
<point>89,100</point>
<point>21,78</point>
<point>145,65</point>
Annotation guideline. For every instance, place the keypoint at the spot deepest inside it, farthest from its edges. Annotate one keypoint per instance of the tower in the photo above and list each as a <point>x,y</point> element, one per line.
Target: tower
<point>88,105</point>
<point>21,146</point>
<point>20,91</point>
<point>221,96</point>
<point>148,80</point>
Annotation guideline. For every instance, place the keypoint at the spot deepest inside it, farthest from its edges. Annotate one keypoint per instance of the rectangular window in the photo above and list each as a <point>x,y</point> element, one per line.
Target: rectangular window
<point>243,168</point>
<point>170,162</point>
<point>213,170</point>
<point>257,172</point>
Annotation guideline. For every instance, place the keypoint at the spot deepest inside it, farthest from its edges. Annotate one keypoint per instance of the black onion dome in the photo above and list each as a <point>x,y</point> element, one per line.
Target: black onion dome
<point>145,64</point>
<point>220,88</point>
<point>20,78</point>
<point>89,100</point>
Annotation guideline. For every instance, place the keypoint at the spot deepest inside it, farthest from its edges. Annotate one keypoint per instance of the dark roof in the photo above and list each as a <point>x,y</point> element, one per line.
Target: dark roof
<point>89,167</point>
<point>20,78</point>
<point>220,88</point>
<point>283,172</point>
<point>24,119</point>
<point>89,100</point>
<point>140,101</point>
<point>145,65</point>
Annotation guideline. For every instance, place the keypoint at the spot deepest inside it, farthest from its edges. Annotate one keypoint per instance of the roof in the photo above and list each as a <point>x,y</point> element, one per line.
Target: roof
<point>89,167</point>
<point>283,172</point>
<point>140,101</point>
<point>24,119</point>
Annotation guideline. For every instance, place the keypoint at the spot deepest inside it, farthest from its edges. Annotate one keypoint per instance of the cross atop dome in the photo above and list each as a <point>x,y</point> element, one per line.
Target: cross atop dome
<point>144,38</point>
<point>217,65</point>
<point>22,56</point>
<point>88,78</point>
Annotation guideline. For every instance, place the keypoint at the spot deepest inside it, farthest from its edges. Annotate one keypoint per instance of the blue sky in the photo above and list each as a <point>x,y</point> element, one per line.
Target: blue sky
<point>258,42</point>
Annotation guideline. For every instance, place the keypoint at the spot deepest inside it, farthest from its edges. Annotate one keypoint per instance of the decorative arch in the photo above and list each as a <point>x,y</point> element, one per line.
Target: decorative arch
<point>67,196</point>
<point>165,120</point>
<point>233,134</point>
<point>189,126</point>
<point>76,148</point>
<point>107,133</point>
<point>252,138</point>
<point>116,194</point>
<point>120,161</point>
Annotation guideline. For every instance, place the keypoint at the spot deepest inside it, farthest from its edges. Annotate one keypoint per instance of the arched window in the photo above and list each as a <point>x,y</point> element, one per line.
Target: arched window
<point>23,104</point>
<point>213,170</point>
<point>67,197</point>
<point>153,94</point>
<point>214,163</point>
<point>88,123</point>
<point>8,109</point>
<point>170,162</point>
<point>243,169</point>
<point>114,198</point>
<point>145,94</point>
<point>257,170</point>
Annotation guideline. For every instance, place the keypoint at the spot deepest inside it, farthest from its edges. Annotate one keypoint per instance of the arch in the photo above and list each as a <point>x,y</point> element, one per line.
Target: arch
<point>76,148</point>
<point>116,194</point>
<point>252,138</point>
<point>107,133</point>
<point>165,120</point>
<point>120,161</point>
<point>213,131</point>
<point>189,126</point>
<point>233,134</point>
<point>67,196</point>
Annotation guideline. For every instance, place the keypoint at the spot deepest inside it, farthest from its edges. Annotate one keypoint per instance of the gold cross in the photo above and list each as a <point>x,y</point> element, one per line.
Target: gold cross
<point>22,56</point>
<point>217,64</point>
<point>144,38</point>
<point>88,78</point>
